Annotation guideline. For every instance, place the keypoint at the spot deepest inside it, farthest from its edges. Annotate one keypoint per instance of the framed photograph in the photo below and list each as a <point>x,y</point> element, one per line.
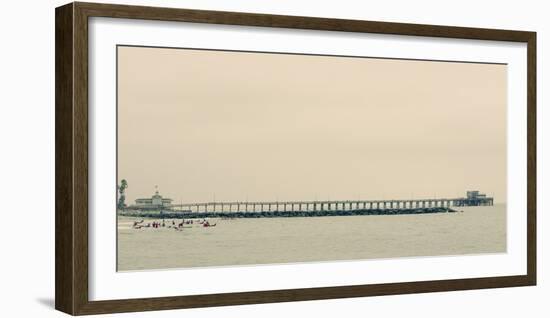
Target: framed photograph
<point>210,158</point>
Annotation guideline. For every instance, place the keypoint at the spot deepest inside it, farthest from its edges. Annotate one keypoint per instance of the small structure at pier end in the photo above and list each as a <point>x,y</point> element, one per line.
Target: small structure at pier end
<point>156,202</point>
<point>474,198</point>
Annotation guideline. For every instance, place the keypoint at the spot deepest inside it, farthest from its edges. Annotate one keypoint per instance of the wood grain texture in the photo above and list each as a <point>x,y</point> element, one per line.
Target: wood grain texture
<point>64,235</point>
<point>72,158</point>
<point>165,303</point>
<point>80,157</point>
<point>532,158</point>
<point>298,22</point>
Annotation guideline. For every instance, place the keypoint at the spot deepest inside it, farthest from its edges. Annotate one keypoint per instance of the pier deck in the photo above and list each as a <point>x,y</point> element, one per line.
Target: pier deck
<point>318,206</point>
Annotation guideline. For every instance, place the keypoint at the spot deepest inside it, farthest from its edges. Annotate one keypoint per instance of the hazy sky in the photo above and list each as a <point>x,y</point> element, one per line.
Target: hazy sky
<point>256,126</point>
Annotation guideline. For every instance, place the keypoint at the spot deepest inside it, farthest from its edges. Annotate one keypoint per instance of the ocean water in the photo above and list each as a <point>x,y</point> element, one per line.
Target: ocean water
<point>476,230</point>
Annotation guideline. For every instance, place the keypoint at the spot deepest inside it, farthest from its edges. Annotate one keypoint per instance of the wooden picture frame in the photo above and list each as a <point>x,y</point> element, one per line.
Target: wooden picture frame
<point>71,222</point>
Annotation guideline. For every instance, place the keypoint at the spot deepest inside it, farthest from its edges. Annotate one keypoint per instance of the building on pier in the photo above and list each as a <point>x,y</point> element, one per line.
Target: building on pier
<point>155,202</point>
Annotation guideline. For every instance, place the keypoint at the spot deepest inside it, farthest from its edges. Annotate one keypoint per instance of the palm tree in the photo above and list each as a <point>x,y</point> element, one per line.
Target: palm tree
<point>122,196</point>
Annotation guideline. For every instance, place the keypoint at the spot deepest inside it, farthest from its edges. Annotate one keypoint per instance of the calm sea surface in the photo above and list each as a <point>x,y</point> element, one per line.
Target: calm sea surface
<point>291,240</point>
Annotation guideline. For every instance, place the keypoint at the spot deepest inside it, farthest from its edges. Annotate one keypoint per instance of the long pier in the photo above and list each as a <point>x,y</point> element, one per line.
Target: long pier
<point>321,206</point>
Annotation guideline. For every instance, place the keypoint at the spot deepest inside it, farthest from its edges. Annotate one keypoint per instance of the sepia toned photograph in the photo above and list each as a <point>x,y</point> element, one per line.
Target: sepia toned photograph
<point>233,158</point>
